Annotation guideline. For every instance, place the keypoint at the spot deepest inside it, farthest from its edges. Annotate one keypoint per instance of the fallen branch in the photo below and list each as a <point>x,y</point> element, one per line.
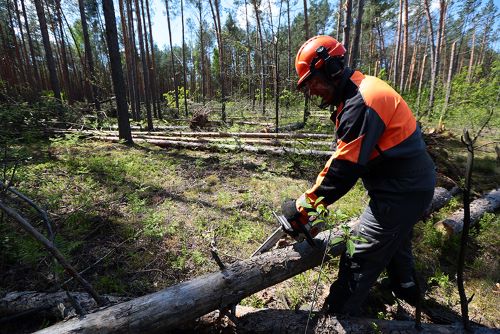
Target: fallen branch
<point>49,246</point>
<point>454,224</point>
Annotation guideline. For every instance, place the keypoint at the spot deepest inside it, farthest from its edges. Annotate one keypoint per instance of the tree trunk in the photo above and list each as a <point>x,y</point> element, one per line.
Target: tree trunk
<point>174,75</point>
<point>454,223</point>
<point>306,21</point>
<point>184,67</point>
<point>148,60</point>
<point>54,81</point>
<point>339,20</point>
<point>448,88</point>
<point>23,47</point>
<point>261,57</point>
<point>153,69</point>
<point>405,47</point>
<point>91,77</point>
<point>413,64</point>
<point>354,57</point>
<point>34,63</point>
<point>128,55</point>
<point>395,64</point>
<point>64,57</point>
<point>167,309</point>
<point>347,29</point>
<point>199,6</point>
<point>433,56</point>
<point>117,72</point>
<point>25,301</point>
<point>145,72</point>
<point>471,59</point>
<point>133,62</point>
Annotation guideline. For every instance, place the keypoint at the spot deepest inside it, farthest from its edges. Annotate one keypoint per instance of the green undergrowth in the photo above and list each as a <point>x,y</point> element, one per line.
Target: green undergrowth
<point>140,218</point>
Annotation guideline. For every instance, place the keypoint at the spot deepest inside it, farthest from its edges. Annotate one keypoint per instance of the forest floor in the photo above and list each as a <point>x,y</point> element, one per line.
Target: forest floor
<point>140,218</point>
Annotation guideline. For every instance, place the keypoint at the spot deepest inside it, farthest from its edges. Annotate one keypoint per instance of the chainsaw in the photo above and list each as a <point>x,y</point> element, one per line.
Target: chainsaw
<point>285,228</point>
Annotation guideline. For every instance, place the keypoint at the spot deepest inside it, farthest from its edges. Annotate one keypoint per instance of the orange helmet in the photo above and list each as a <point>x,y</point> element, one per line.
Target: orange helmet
<point>309,56</point>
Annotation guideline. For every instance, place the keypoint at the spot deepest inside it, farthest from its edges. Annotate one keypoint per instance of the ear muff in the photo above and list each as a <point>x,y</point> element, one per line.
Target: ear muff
<point>333,66</point>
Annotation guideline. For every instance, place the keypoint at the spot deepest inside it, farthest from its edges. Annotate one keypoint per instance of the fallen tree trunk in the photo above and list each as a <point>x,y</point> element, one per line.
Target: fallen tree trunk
<point>441,197</point>
<point>224,134</point>
<point>173,306</point>
<point>213,147</point>
<point>454,224</point>
<point>50,302</point>
<point>264,141</point>
<point>250,320</point>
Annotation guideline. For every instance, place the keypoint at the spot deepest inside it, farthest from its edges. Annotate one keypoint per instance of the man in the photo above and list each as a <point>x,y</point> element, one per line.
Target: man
<point>379,141</point>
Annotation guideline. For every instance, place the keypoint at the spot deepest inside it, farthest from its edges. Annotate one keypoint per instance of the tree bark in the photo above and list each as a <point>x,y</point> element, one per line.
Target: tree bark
<point>454,223</point>
<point>117,72</point>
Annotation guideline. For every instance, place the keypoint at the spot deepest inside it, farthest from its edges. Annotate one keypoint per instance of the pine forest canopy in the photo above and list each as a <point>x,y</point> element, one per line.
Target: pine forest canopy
<point>435,53</point>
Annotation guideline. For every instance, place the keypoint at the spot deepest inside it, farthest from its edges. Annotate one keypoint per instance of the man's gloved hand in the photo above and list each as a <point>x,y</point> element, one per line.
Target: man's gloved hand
<point>300,221</point>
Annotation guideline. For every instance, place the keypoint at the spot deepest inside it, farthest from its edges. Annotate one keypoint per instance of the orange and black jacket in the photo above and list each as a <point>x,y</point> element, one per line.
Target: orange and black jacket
<point>378,139</point>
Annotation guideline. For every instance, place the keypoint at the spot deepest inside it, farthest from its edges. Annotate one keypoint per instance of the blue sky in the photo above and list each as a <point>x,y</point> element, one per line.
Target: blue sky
<point>159,20</point>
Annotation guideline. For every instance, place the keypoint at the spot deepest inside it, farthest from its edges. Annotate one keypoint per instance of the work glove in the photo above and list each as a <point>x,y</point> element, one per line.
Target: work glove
<point>301,224</point>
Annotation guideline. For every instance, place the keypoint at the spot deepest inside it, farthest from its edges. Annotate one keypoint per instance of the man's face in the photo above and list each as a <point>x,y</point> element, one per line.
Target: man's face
<point>318,86</point>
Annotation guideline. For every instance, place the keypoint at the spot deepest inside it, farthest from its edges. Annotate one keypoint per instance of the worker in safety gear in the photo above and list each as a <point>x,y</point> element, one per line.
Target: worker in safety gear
<point>379,141</point>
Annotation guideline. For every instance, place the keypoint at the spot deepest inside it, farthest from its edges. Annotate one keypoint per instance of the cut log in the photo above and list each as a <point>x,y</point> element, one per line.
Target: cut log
<point>441,197</point>
<point>250,320</point>
<point>170,307</point>
<point>286,127</point>
<point>23,301</point>
<point>454,224</point>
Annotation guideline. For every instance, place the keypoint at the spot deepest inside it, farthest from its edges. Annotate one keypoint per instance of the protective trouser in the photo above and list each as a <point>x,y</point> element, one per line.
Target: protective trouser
<point>387,225</point>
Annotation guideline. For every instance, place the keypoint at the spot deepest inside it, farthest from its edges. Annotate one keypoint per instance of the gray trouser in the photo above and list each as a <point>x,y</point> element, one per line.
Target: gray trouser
<point>387,225</point>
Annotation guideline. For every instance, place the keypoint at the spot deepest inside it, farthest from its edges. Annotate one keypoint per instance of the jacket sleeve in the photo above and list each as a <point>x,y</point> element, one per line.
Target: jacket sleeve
<point>358,130</point>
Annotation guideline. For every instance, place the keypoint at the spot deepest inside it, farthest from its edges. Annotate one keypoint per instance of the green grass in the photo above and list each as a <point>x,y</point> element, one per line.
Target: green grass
<point>156,212</point>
